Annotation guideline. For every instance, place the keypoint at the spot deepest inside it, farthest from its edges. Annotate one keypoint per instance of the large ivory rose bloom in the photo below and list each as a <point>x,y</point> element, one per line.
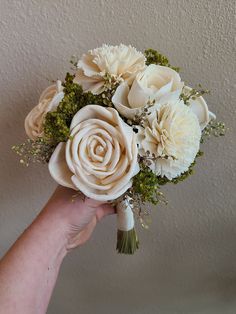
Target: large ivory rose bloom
<point>149,86</point>
<point>122,63</point>
<point>48,101</point>
<point>100,158</point>
<point>172,135</point>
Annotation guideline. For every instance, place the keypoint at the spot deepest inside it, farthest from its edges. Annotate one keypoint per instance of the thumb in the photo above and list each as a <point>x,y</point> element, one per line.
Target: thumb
<point>104,210</point>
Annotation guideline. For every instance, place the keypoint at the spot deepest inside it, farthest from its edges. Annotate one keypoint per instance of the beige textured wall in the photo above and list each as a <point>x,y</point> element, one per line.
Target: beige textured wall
<point>187,260</point>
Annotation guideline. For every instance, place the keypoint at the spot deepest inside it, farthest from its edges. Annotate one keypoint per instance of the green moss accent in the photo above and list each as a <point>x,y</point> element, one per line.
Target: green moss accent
<point>146,184</point>
<point>57,123</point>
<point>154,57</point>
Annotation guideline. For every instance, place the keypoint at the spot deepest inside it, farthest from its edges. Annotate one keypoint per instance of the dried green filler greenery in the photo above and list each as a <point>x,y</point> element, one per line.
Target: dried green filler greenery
<point>146,184</point>
<point>34,151</point>
<point>193,94</point>
<point>154,57</point>
<point>57,123</point>
<point>183,176</point>
<point>214,128</point>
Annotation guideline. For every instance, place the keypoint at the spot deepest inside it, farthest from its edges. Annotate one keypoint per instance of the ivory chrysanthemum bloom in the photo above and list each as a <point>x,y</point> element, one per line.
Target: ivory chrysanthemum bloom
<point>100,158</point>
<point>48,101</point>
<point>172,136</point>
<point>121,63</point>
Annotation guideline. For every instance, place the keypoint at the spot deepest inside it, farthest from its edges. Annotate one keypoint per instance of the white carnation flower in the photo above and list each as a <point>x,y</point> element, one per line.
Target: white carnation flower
<point>121,63</point>
<point>172,134</point>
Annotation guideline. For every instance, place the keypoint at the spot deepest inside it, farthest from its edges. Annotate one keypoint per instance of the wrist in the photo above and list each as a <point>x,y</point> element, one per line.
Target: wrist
<point>55,228</point>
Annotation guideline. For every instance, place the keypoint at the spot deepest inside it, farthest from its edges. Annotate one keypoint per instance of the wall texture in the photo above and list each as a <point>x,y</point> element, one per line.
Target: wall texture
<point>187,260</point>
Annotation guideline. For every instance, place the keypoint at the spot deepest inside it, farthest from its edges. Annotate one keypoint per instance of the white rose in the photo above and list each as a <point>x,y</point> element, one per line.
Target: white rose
<point>149,86</point>
<point>100,158</point>
<point>48,101</point>
<point>121,62</point>
<point>172,135</point>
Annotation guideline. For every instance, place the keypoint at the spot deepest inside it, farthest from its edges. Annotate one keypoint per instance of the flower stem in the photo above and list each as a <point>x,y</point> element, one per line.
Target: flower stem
<point>127,241</point>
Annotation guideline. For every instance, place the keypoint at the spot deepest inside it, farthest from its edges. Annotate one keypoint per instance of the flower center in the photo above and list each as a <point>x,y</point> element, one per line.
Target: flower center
<point>163,138</point>
<point>99,150</point>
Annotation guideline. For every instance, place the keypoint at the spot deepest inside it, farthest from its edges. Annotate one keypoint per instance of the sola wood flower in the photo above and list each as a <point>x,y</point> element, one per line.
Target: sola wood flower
<point>105,158</point>
<point>199,106</point>
<point>172,136</point>
<point>149,86</point>
<point>157,84</point>
<point>48,101</point>
<point>100,158</point>
<point>121,63</point>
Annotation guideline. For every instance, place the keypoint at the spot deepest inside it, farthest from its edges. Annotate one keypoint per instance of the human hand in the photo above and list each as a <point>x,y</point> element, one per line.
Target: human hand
<point>29,270</point>
<point>79,215</point>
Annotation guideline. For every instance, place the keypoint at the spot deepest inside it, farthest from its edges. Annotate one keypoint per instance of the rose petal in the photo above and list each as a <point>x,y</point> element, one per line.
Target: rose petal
<point>58,167</point>
<point>200,108</point>
<point>99,196</point>
<point>48,93</point>
<point>138,95</point>
<point>55,101</point>
<point>91,112</point>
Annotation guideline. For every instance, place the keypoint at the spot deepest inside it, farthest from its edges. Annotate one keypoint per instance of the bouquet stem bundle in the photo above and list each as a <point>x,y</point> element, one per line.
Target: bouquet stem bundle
<point>127,239</point>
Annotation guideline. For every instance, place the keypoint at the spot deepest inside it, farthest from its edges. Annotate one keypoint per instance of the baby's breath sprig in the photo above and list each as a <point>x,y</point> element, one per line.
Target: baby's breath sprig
<point>214,128</point>
<point>193,93</point>
<point>34,151</point>
<point>141,117</point>
<point>110,86</point>
<point>74,61</point>
<point>141,212</point>
<point>111,81</point>
<point>147,158</point>
<point>137,202</point>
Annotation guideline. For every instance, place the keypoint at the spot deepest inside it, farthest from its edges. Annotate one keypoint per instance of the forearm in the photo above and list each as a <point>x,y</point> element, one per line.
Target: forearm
<point>29,270</point>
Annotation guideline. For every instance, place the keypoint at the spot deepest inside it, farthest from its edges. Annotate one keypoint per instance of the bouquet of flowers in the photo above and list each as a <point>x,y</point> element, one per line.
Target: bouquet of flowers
<point>120,126</point>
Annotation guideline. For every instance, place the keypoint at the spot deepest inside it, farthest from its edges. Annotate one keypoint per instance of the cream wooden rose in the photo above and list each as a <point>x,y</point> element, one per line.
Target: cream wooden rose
<point>48,101</point>
<point>122,63</point>
<point>100,158</point>
<point>151,85</point>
